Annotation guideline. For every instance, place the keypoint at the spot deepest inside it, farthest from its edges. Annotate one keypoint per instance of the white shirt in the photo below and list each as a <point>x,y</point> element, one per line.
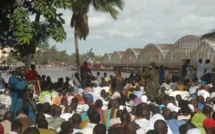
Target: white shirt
<point>66,116</point>
<point>115,121</point>
<point>209,68</point>
<point>141,131</point>
<point>200,69</point>
<point>172,107</point>
<point>142,122</point>
<point>88,129</point>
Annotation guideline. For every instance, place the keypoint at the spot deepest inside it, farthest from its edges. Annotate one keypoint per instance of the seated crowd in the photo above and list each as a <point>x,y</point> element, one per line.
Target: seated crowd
<point>67,108</point>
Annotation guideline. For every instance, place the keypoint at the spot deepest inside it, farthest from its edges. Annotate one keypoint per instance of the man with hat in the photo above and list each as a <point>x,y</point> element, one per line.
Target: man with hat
<point>18,86</point>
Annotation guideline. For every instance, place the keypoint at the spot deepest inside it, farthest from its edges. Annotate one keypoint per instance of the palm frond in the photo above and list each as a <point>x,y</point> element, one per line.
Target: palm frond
<point>209,36</point>
<point>108,6</point>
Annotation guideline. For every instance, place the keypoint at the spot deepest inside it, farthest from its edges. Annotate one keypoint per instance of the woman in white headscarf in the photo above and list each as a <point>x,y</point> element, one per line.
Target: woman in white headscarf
<point>154,118</point>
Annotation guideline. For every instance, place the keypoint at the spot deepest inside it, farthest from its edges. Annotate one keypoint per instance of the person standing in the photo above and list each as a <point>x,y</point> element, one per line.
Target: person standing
<point>32,75</point>
<point>18,86</point>
<point>85,73</point>
<point>199,69</point>
<point>208,67</point>
<point>152,78</point>
<point>186,70</point>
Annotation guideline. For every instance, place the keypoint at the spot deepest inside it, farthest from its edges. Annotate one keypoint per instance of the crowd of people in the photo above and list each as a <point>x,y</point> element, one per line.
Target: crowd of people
<point>150,102</point>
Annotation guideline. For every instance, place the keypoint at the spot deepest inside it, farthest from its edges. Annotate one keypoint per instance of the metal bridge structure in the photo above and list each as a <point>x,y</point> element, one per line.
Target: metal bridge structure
<point>171,55</point>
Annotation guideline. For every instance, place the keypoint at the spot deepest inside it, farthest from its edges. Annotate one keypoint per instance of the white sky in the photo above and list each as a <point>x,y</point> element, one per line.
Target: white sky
<point>140,23</point>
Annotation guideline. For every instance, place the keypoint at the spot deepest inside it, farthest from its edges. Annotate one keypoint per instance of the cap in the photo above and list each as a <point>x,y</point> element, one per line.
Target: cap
<point>20,64</point>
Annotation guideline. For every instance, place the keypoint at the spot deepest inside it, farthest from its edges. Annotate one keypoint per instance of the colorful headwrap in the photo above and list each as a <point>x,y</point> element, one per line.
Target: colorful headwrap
<point>209,123</point>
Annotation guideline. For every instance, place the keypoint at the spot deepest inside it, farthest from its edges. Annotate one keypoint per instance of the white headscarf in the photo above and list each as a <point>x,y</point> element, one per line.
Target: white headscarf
<point>154,118</point>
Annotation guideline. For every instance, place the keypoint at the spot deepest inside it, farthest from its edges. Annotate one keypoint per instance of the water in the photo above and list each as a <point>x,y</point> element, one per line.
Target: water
<point>61,73</point>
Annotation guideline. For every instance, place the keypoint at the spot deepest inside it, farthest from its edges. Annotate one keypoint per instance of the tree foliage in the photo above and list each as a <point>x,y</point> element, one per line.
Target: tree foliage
<point>30,23</point>
<point>47,54</point>
<point>80,9</point>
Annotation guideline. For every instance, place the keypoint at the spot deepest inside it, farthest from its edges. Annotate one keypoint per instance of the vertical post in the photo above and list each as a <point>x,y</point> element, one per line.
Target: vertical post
<point>127,66</point>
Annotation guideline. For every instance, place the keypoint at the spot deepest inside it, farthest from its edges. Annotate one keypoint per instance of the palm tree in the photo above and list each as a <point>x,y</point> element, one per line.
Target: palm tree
<point>210,36</point>
<point>79,20</point>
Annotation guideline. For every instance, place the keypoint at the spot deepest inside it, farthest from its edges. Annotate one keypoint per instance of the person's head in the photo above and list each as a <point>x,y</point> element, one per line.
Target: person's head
<point>173,115</point>
<point>208,100</point>
<point>200,60</point>
<point>85,63</point>
<point>178,97</point>
<point>33,67</point>
<point>207,110</point>
<point>9,116</point>
<point>207,61</point>
<point>31,130</point>
<point>105,74</point>
<point>99,129</point>
<point>172,100</point>
<point>64,102</point>
<point>152,65</point>
<point>16,126</point>
<point>117,72</point>
<point>75,101</point>
<point>185,127</point>
<point>200,99</point>
<point>145,113</point>
<point>125,117</point>
<point>99,103</point>
<point>103,93</point>
<point>43,123</point>
<point>68,109</point>
<point>75,119</point>
<point>165,101</point>
<point>87,101</point>
<point>46,107</point>
<point>94,117</point>
<point>57,111</point>
<point>115,130</point>
<point>118,113</point>
<point>20,68</point>
<point>98,73</point>
<point>161,126</point>
<point>39,117</point>
<point>194,103</point>
<point>130,128</point>
<point>40,108</point>
<point>152,132</point>
<point>166,114</point>
<point>163,89</point>
<point>20,111</point>
<point>67,127</point>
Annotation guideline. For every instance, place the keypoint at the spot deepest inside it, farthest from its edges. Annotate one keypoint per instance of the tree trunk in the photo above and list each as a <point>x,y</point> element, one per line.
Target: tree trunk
<point>77,55</point>
<point>28,60</point>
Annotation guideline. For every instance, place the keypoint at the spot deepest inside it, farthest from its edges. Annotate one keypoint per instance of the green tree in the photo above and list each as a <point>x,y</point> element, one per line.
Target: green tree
<point>79,20</point>
<point>28,33</point>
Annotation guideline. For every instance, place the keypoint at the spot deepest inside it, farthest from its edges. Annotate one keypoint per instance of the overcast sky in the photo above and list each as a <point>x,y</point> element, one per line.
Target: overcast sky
<point>140,23</point>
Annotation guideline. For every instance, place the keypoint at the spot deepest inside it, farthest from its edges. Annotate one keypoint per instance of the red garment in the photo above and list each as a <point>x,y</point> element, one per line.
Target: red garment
<point>31,75</point>
<point>1,129</point>
<point>37,87</point>
<point>85,68</point>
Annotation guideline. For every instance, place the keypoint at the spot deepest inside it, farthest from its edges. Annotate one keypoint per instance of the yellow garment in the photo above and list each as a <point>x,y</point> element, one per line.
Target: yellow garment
<point>182,87</point>
<point>84,123</point>
<point>143,81</point>
<point>47,131</point>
